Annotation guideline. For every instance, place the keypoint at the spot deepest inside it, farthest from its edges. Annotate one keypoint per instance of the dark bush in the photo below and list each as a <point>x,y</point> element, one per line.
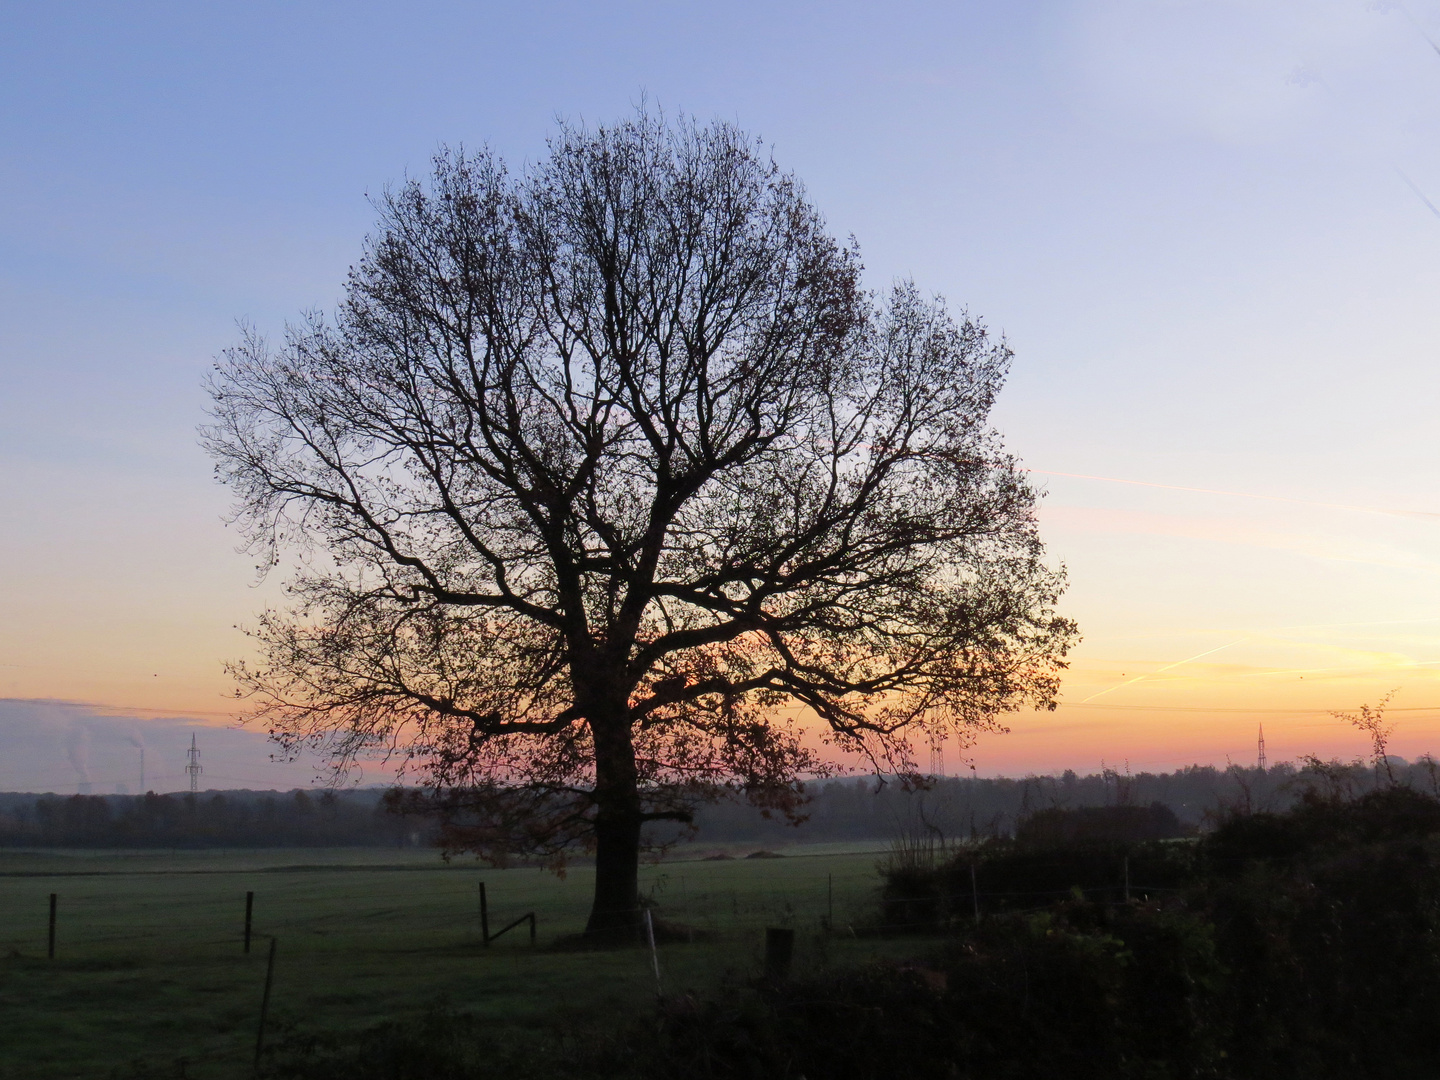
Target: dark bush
<point>1318,823</point>
<point>1011,876</point>
<point>1059,827</point>
<point>1334,953</point>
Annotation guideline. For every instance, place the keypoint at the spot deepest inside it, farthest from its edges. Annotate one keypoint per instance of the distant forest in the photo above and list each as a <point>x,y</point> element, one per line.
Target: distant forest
<point>841,810</point>
<point>209,819</point>
<point>977,807</point>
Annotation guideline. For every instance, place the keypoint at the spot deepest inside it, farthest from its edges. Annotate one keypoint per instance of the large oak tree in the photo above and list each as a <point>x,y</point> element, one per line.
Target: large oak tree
<point>617,490</point>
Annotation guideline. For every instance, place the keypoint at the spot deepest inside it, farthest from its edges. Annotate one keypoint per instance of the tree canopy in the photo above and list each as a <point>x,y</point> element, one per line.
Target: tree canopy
<point>619,490</point>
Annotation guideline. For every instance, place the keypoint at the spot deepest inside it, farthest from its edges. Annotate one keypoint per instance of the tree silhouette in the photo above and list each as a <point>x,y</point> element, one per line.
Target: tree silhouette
<point>614,479</point>
<point>1372,722</point>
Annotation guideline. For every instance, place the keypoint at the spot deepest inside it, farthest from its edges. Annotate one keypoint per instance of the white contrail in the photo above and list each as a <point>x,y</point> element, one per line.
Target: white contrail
<point>1167,667</point>
<point>1418,193</point>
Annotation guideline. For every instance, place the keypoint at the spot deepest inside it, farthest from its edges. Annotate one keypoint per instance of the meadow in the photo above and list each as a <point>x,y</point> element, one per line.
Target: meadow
<point>149,968</point>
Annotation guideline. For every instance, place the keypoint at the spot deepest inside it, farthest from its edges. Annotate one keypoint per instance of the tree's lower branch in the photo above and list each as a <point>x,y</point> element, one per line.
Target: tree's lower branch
<point>669,815</point>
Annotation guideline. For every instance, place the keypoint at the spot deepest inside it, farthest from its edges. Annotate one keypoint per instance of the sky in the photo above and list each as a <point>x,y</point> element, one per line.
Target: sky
<point>1209,230</point>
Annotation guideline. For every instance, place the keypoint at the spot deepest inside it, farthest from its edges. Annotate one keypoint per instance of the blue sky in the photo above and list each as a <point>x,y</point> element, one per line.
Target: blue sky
<point>1201,225</point>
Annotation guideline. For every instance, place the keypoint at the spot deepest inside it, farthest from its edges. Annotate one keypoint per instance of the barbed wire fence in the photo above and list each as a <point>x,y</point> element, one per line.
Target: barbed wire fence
<point>65,927</point>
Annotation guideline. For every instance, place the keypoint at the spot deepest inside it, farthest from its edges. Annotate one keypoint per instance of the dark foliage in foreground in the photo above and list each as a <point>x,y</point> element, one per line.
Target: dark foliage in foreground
<point>1304,944</point>
<point>1059,826</point>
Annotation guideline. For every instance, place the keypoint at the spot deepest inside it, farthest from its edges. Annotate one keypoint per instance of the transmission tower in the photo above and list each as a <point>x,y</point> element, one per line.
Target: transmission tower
<point>937,757</point>
<point>1260,757</point>
<point>193,768</point>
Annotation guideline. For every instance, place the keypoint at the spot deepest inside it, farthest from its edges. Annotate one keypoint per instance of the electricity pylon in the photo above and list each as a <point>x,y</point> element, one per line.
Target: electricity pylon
<point>194,768</point>
<point>937,757</point>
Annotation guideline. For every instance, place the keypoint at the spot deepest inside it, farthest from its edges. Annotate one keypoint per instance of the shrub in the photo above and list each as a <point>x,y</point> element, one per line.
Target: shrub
<point>1057,827</point>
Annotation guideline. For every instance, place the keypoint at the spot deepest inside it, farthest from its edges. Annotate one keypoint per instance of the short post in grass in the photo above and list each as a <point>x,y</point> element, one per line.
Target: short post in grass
<point>1126,866</point>
<point>654,955</point>
<point>249,911</point>
<point>829,901</point>
<point>484,917</point>
<point>264,1006</point>
<point>50,947</point>
<point>975,893</point>
<point>779,951</point>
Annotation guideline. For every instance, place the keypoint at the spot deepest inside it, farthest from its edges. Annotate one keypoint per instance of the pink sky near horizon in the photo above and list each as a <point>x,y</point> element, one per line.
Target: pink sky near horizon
<point>1179,690</point>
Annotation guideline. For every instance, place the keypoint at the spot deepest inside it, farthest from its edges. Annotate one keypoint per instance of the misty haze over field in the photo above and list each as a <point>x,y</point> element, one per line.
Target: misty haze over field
<point>71,749</point>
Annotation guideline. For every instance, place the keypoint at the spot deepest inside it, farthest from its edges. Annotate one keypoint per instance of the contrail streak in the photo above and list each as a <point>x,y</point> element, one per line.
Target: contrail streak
<point>1239,494</point>
<point>1231,709</point>
<point>1167,667</point>
<point>1418,28</point>
<point>1418,193</point>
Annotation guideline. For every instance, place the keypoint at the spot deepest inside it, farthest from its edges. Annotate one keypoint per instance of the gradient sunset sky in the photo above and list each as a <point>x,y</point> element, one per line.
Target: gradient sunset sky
<point>1210,231</point>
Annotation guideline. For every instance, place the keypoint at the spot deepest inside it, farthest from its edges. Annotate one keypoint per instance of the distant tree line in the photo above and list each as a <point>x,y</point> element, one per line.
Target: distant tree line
<point>963,808</point>
<point>851,809</point>
<point>211,819</point>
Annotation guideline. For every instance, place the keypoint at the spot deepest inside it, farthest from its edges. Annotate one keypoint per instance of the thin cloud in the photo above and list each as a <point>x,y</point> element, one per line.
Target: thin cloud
<point>1387,511</point>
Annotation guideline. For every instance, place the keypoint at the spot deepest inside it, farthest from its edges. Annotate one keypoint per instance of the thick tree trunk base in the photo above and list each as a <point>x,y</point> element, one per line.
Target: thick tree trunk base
<point>615,915</point>
<point>624,925</point>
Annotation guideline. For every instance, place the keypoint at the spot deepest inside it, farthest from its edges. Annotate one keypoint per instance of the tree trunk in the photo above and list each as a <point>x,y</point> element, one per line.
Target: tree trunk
<point>615,910</point>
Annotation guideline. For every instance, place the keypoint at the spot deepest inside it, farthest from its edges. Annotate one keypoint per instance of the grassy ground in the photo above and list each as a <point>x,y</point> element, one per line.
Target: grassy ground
<point>149,966</point>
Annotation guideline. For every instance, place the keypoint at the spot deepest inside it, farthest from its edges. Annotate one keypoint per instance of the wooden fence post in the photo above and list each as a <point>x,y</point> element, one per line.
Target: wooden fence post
<point>654,955</point>
<point>249,910</point>
<point>50,947</point>
<point>486,936</point>
<point>264,1006</point>
<point>975,894</point>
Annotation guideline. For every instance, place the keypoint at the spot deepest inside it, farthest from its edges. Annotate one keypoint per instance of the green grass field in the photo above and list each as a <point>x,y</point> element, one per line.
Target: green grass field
<point>149,965</point>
